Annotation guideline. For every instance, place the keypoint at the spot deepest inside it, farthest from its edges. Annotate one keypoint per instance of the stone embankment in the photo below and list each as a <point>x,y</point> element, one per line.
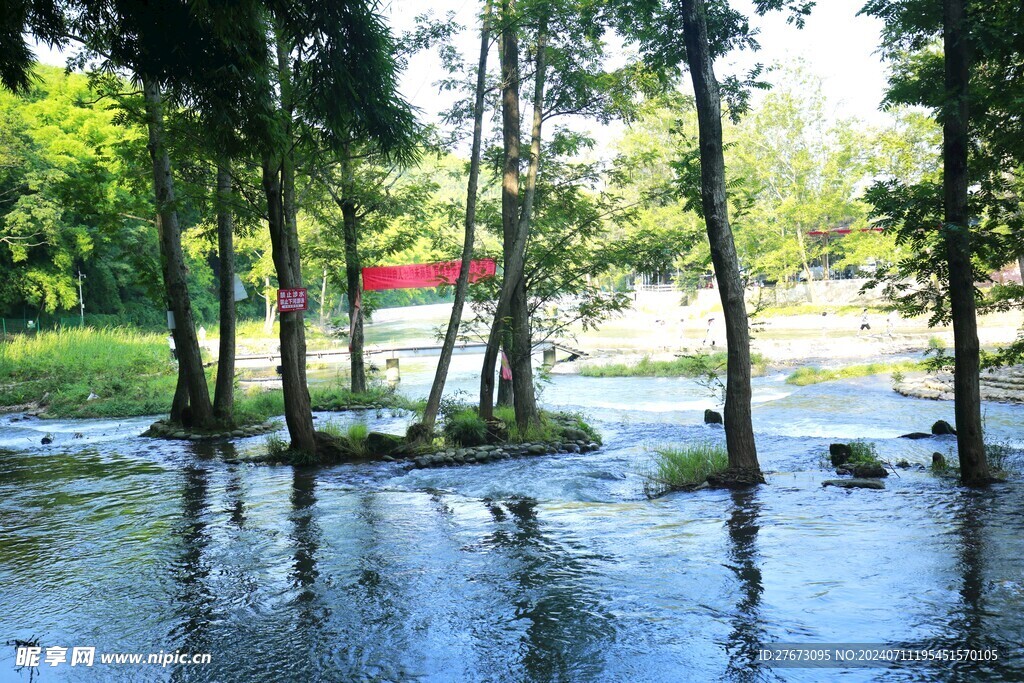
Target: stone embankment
<point>1004,385</point>
<point>490,453</point>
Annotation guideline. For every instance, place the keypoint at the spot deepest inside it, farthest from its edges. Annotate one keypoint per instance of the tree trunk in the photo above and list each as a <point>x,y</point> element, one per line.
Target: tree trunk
<point>521,358</point>
<point>509,201</point>
<point>353,266</point>
<point>462,284</point>
<point>297,412</point>
<point>970,445</point>
<point>515,223</point>
<point>270,307</point>
<point>190,360</point>
<point>224,394</point>
<point>739,431</point>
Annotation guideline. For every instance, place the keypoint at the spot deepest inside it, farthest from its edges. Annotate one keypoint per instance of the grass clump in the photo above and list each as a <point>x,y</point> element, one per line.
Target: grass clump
<point>465,428</point>
<point>682,468</point>
<point>684,366</point>
<point>815,375</point>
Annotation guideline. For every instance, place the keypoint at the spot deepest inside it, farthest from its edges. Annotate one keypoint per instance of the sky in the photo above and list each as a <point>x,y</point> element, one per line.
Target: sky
<point>836,44</point>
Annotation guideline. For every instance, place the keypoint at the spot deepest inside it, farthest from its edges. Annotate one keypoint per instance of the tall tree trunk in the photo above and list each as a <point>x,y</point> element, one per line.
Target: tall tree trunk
<point>739,431</point>
<point>521,358</point>
<point>970,445</point>
<point>297,412</point>
<point>515,222</point>
<point>462,284</point>
<point>353,267</point>
<point>224,393</point>
<point>510,129</point>
<point>190,360</point>
<point>279,188</point>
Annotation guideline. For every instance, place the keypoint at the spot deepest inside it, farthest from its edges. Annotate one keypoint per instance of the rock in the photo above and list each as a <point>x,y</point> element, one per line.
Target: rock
<point>178,435</point>
<point>536,449</point>
<point>839,453</point>
<point>868,470</point>
<point>48,439</point>
<point>573,434</point>
<point>938,461</point>
<point>916,435</point>
<point>379,443</point>
<point>592,446</point>
<point>78,435</point>
<point>712,418</point>
<point>854,483</point>
<point>943,428</point>
<point>238,433</point>
<point>903,465</point>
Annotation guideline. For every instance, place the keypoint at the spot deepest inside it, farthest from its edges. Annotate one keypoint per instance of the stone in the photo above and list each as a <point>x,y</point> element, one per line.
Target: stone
<point>943,428</point>
<point>938,461</point>
<point>179,435</point>
<point>868,470</point>
<point>378,443</point>
<point>854,483</point>
<point>78,435</point>
<point>238,433</point>
<point>536,449</point>
<point>48,439</point>
<point>712,417</point>
<point>916,435</point>
<point>573,434</point>
<point>839,453</point>
<point>592,446</point>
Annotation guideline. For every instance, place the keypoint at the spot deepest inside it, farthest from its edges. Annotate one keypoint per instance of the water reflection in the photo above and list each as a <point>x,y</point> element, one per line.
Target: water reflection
<point>195,600</point>
<point>747,634</point>
<point>564,626</point>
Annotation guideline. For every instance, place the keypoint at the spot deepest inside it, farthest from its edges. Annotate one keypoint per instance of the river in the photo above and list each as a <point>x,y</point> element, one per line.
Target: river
<point>553,568</point>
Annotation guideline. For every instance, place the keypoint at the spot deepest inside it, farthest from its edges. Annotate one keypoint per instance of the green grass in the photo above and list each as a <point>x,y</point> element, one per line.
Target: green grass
<point>814,375</point>
<point>130,371</point>
<point>684,366</point>
<point>683,467</point>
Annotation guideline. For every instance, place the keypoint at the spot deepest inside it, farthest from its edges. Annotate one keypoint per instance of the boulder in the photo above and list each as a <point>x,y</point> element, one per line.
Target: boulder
<point>712,418</point>
<point>839,453</point>
<point>380,444</point>
<point>938,461</point>
<point>573,434</point>
<point>916,435</point>
<point>854,483</point>
<point>943,428</point>
<point>868,470</point>
<point>48,439</point>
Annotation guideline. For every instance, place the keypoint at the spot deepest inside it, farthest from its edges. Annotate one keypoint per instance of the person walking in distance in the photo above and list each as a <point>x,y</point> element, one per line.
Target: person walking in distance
<point>864,324</point>
<point>174,349</point>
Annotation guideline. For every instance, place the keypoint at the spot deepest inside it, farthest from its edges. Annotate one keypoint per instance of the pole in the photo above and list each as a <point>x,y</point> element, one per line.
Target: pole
<point>81,299</point>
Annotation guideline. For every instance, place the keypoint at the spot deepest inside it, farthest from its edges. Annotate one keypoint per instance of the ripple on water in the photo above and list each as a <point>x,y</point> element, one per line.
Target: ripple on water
<point>533,569</point>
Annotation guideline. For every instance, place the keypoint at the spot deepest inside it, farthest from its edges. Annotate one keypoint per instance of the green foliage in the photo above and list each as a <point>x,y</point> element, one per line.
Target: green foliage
<point>814,375</point>
<point>863,453</point>
<point>683,366</point>
<point>355,439</point>
<point>465,428</point>
<point>683,467</point>
<point>277,448</point>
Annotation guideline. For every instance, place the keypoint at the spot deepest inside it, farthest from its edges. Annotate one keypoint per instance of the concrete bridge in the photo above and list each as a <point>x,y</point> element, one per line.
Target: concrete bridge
<point>340,355</point>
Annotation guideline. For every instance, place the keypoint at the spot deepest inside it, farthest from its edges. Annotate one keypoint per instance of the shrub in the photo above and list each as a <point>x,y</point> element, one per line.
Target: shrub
<point>466,428</point>
<point>684,467</point>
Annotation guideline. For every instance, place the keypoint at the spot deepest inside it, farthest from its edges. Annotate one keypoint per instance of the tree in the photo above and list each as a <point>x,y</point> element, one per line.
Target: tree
<point>462,284</point>
<point>739,433</point>
<point>958,59</point>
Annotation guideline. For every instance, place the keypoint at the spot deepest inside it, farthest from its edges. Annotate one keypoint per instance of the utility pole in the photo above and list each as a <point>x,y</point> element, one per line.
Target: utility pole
<point>81,299</point>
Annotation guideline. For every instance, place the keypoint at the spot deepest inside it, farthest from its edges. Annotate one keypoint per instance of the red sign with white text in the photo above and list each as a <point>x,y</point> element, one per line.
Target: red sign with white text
<point>424,274</point>
<point>291,300</point>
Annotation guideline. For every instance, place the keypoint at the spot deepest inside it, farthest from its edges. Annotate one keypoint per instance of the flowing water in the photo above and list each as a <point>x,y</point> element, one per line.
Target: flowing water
<point>554,568</point>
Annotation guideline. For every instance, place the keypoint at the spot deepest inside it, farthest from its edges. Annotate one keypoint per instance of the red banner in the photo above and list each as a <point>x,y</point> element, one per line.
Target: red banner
<point>291,300</point>
<point>424,274</point>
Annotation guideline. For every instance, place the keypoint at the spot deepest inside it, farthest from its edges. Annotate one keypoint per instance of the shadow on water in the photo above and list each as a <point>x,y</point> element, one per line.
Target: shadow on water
<point>195,599</point>
<point>563,623</point>
<point>748,633</point>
